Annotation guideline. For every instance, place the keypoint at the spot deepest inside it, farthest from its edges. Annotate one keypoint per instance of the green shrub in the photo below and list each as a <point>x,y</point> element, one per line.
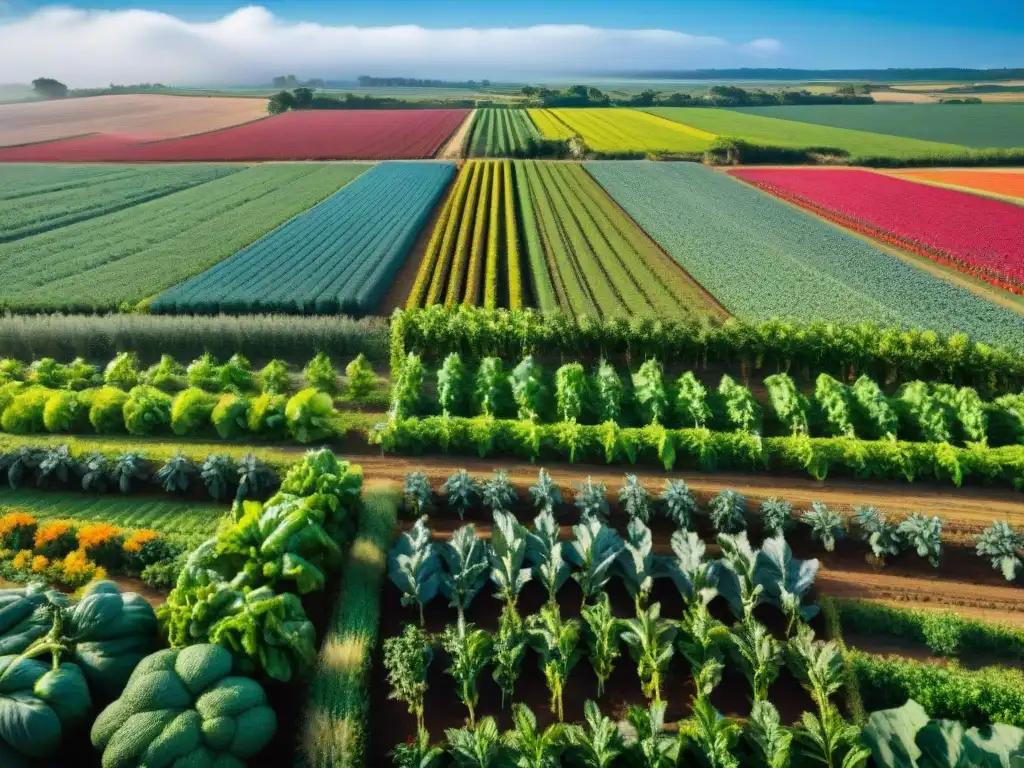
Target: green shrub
<point>266,416</point>
<point>190,411</point>
<point>62,412</point>
<point>122,372</point>
<point>320,374</point>
<point>167,375</point>
<point>231,415</point>
<point>24,415</point>
<point>47,372</point>
<point>204,373</point>
<point>274,379</point>
<point>147,410</point>
<point>11,370</point>
<point>236,374</point>
<point>106,410</point>
<point>311,416</point>
<point>81,375</point>
<point>362,381</point>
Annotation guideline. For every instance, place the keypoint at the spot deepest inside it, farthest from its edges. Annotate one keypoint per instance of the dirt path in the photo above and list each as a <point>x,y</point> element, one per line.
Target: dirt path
<point>453,149</point>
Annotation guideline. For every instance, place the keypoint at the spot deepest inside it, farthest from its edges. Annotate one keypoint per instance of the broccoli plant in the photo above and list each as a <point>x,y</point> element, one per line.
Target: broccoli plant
<point>769,740</point>
<point>254,478</point>
<point>789,404</point>
<point>545,493</point>
<point>592,500</point>
<point>736,575</point>
<point>637,563</point>
<point>594,552</point>
<point>460,491</point>
<point>758,655</point>
<point>407,658</point>
<point>417,492</point>
<point>362,381</point>
<point>826,526</point>
<point>687,567</point>
<point>544,552</point>
<point>728,512</point>
<point>219,475</point>
<point>507,555</point>
<point>177,474</point>
<point>556,643</point>
<point>414,566</point>
<point>128,467</point>
<point>775,515</point>
<point>634,499</point>
<point>785,580</point>
<point>602,632</point>
<point>924,535</point>
<point>649,639</point>
<point>465,568</point>
<point>692,407</point>
<point>508,651</point>
<point>1002,545</point>
<point>470,651</point>
<point>497,493</point>
<point>742,411</point>
<point>680,506</point>
<point>491,388</point>
<point>608,393</point>
<point>881,536</point>
<point>528,391</point>
<point>321,374</point>
<point>95,473</point>
<point>570,391</point>
<point>649,391</point>
<point>453,386</point>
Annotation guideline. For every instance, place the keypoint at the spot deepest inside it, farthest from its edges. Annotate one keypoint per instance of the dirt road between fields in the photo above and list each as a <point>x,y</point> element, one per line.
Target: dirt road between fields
<point>457,143</point>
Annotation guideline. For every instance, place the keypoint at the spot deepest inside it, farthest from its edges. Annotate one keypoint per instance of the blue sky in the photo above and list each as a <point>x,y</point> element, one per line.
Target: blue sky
<point>728,33</point>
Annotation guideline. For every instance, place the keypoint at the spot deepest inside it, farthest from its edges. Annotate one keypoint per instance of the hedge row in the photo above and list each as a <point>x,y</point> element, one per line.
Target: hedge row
<point>335,722</point>
<point>705,450</point>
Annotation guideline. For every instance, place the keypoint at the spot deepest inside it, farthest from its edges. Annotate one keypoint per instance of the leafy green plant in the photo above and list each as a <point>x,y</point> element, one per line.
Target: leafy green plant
<point>470,651</point>
<point>758,655</point>
<point>414,566</point>
<point>835,403</point>
<point>650,745</point>
<point>11,370</point>
<point>15,465</point>
<point>608,392</point>
<point>710,736</point>
<point>204,373</point>
<point>461,492</point>
<point>686,566</point>
<point>219,475</point>
<point>728,511</point>
<point>785,580</point>
<point>62,412</point>
<point>592,500</point>
<point>788,403</point>
<point>816,664</point>
<point>742,411</point>
<point>922,415</point>
<point>321,374</point>
<point>477,746</point>
<point>168,375</point>
<point>453,386</point>
<point>570,391</point>
<point>122,372</point>
<point>267,415</point>
<point>598,743</point>
<point>57,467</point>
<point>775,515</point>
<point>603,633</point>
<point>273,378</point>
<point>594,552</point>
<point>417,492</point>
<point>176,475</point>
<point>1002,545</point>
<point>923,535</point>
<point>634,499</point>
<point>191,410</point>
<point>528,391</point>
<point>556,643</point>
<point>407,659</point>
<point>829,740</point>
<point>491,390</point>
<point>508,651</point>
<point>147,410</point>
<point>230,416</point>
<point>649,639</point>
<point>873,416</point>
<point>735,573</point>
<point>636,562</point>
<point>692,402</point>
<point>497,493</point>
<point>407,391</point>
<point>531,747</point>
<point>311,416</point>
<point>362,381</point>
<point>826,526</point>
<point>237,375</point>
<point>507,555</point>
<point>544,551</point>
<point>254,477</point>
<point>545,492</point>
<point>880,535</point>
<point>769,740</point>
<point>95,472</point>
<point>680,506</point>
<point>47,372</point>
<point>464,557</point>
<point>418,752</point>
<point>129,467</point>
<point>650,394</point>
<point>106,410</point>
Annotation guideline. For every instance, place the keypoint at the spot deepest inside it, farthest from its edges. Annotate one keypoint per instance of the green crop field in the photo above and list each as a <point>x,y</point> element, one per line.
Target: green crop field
<point>784,133</point>
<point>39,198</point>
<point>187,519</point>
<point>971,125</point>
<point>129,255</point>
<point>761,258</point>
<point>501,132</point>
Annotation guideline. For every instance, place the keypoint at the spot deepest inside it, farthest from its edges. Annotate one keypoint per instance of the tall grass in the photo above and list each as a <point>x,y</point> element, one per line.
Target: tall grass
<point>294,339</point>
<point>334,727</point>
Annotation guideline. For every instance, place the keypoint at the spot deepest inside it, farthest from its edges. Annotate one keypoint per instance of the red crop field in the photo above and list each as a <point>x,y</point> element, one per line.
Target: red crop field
<point>977,236</point>
<point>304,135</point>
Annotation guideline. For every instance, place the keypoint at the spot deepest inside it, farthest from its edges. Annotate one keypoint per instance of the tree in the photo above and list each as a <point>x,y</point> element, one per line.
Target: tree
<point>362,381</point>
<point>303,98</point>
<point>49,88</point>
<point>528,91</point>
<point>281,102</point>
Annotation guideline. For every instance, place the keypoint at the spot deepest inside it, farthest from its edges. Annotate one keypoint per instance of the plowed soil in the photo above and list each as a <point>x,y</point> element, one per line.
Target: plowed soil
<point>148,116</point>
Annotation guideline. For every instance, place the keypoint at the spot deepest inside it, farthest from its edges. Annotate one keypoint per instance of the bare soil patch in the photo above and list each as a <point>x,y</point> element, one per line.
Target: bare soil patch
<point>148,116</point>
<point>453,150</point>
<point>902,97</point>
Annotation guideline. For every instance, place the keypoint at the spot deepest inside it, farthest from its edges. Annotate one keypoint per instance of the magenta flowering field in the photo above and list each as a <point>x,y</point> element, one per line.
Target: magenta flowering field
<point>978,236</point>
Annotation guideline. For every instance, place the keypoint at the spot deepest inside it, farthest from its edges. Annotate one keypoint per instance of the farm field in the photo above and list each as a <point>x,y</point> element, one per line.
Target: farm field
<point>501,132</point>
<point>971,125</point>
<point>129,255</point>
<point>39,198</point>
<point>1002,183</point>
<point>760,258</point>
<point>145,116</point>
<point>767,130</point>
<point>339,256</point>
<point>622,130</point>
<point>303,135</point>
<point>983,238</point>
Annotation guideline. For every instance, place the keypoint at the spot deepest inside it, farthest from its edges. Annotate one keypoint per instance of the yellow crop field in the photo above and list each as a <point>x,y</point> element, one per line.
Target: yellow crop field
<point>621,130</point>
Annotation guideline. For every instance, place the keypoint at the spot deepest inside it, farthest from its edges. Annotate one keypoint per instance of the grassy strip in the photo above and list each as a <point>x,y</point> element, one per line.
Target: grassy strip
<point>945,633</point>
<point>334,731</point>
<point>851,686</point>
<point>950,692</point>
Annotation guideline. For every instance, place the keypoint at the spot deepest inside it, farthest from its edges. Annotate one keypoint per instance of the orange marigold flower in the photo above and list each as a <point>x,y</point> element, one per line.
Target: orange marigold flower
<point>141,537</point>
<point>51,532</point>
<point>97,534</point>
<point>77,563</point>
<point>40,563</point>
<point>23,559</point>
<point>14,520</point>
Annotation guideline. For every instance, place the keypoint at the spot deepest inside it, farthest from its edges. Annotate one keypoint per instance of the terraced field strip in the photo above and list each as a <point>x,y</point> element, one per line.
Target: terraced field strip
<point>769,131</point>
<point>187,519</point>
<point>762,258</point>
<point>472,257</point>
<point>969,125</point>
<point>124,257</point>
<point>590,258</point>
<point>1007,184</point>
<point>40,198</point>
<point>981,237</point>
<point>339,257</point>
<point>622,130</point>
<point>501,133</point>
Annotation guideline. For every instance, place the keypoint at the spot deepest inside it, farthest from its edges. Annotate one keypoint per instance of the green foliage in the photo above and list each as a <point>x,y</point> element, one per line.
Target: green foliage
<point>598,742</point>
<point>790,406</point>
<point>649,639</point>
<point>106,412</point>
<point>609,392</point>
<point>923,535</point>
<point>63,412</point>
<point>507,555</point>
<point>407,659</point>
<point>758,656</point>
<point>594,552</point>
<point>785,580</point>
<point>362,381</point>
<point>873,415</point>
<point>465,560</point>
<point>191,411</point>
<point>219,475</point>
<point>835,402</point>
<point>826,525</point>
<point>461,492</point>
<point>710,735</point>
<point>735,575</point>
<point>414,566</point>
<point>923,415</point>
<point>508,651</point>
<point>634,499</point>
<point>417,492</point>
<point>147,410</point>
<point>692,401</point>
<point>649,391</point>
<point>497,493</point>
<point>176,475</point>
<point>310,416</point>
<point>24,415</point>
<point>491,390</point>
<point>545,492</point>
<point>544,551</point>
<point>236,375</point>
<point>47,372</point>
<point>168,375</point>
<point>267,416</point>
<point>742,411</point>
<point>453,386</point>
<point>570,391</point>
<point>680,506</point>
<point>273,378</point>
<point>556,643</point>
<point>728,511</point>
<point>528,390</point>
<point>478,746</point>
<point>11,370</point>
<point>775,515</point>
<point>769,739</point>
<point>470,651</point>
<point>592,500</point>
<point>883,537</point>
<point>321,374</point>
<point>532,747</point>
<point>230,416</point>
<point>1002,545</point>
<point>603,633</point>
<point>122,372</point>
<point>407,391</point>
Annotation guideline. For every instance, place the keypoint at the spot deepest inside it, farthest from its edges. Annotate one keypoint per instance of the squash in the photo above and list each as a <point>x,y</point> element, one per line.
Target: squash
<point>183,707</point>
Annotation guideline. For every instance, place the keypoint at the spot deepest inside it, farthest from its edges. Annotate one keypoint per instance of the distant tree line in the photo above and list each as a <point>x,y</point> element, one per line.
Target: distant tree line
<point>48,88</point>
<point>366,81</point>
<point>936,74</point>
<point>305,98</point>
<point>716,96</point>
<point>291,81</point>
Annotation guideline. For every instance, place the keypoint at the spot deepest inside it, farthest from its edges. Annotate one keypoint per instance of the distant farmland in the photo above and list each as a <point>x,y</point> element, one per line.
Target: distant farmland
<point>623,130</point>
<point>501,132</point>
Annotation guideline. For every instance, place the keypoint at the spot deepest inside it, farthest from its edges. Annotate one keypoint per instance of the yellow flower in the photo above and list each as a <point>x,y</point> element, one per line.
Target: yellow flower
<point>141,537</point>
<point>40,563</point>
<point>23,559</point>
<point>77,563</point>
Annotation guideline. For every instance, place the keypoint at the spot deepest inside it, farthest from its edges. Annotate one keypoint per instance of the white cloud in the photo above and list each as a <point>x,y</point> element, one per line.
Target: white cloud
<point>88,48</point>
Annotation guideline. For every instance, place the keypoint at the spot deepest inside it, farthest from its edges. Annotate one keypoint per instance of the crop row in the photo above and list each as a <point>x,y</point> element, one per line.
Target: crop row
<point>340,256</point>
<point>501,133</point>
<point>129,255</point>
<point>1009,183</point>
<point>983,238</point>
<point>627,131</point>
<point>761,258</point>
